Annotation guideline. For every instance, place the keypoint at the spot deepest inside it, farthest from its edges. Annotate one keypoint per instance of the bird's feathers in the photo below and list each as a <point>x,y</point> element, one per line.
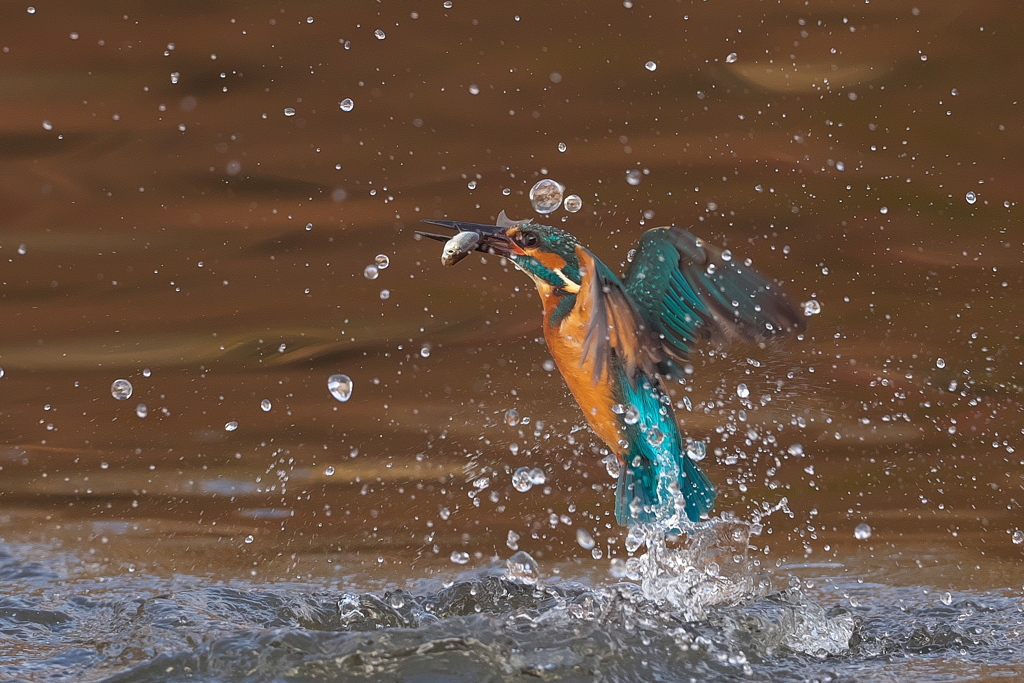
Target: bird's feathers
<point>657,476</point>
<point>615,324</point>
<point>686,290</point>
<point>611,339</point>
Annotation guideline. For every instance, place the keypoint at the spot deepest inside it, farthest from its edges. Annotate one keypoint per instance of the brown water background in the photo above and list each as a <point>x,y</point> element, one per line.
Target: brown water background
<point>185,205</point>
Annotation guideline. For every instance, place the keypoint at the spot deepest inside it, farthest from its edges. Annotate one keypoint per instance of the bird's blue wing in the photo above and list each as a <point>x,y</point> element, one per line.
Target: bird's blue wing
<point>626,352</point>
<point>687,290</point>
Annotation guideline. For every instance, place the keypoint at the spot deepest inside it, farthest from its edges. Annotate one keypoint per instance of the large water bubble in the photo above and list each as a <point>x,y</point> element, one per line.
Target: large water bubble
<point>521,479</point>
<point>546,195</point>
<point>121,389</point>
<point>340,387</point>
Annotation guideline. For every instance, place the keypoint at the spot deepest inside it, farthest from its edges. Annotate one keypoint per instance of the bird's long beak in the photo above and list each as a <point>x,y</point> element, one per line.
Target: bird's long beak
<point>492,237</point>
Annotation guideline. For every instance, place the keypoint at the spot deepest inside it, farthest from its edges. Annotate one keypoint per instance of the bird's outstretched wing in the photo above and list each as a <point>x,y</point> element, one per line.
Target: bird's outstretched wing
<point>615,325</point>
<point>687,290</point>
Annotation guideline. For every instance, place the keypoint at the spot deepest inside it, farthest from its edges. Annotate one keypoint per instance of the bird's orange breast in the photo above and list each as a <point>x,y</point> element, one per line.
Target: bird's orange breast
<point>565,342</point>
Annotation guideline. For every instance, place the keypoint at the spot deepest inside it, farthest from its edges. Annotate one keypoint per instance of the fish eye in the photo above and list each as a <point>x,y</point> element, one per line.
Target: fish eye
<point>528,239</point>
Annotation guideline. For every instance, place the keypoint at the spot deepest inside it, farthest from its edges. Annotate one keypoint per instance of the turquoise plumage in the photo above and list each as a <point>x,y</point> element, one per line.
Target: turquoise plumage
<point>613,340</point>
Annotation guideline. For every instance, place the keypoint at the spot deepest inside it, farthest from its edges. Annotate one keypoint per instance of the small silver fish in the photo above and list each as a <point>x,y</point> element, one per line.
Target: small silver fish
<point>459,247</point>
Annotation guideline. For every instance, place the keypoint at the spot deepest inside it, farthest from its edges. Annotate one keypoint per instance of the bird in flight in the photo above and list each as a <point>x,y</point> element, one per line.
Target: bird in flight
<point>615,339</point>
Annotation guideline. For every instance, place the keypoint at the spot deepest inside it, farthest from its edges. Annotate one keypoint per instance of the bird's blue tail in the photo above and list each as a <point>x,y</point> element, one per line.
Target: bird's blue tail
<point>649,488</point>
<point>657,478</point>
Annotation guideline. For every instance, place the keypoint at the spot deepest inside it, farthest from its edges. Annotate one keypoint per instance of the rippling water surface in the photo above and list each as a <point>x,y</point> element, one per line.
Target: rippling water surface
<point>207,212</point>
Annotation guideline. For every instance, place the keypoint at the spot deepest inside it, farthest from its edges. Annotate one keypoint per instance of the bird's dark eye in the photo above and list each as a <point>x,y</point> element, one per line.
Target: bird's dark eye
<point>529,239</point>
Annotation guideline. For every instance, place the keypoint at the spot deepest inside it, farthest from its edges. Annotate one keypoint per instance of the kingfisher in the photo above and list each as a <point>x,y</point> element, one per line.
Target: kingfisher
<point>615,341</point>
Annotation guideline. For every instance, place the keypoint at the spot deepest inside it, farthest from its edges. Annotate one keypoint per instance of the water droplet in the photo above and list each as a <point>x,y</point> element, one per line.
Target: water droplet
<point>696,451</point>
<point>425,351</point>
<point>329,471</point>
<point>631,416</point>
<point>884,210</point>
<point>506,191</point>
<point>862,532</point>
<point>512,541</point>
<point>175,77</point>
<point>2,373</point>
<point>655,436</point>
<point>385,294</point>
<point>371,272</point>
<point>742,391</point>
<point>512,417</point>
<point>612,465</point>
<point>634,539</point>
<point>47,125</point>
<point>537,476</point>
<point>459,557</point>
<point>971,198</point>
<point>812,307</point>
<point>651,66</point>
<point>940,363</point>
<point>573,203</point>
<point>521,480</point>
<point>474,89</point>
<point>249,539</point>
<point>266,405</point>
<point>444,513</point>
<point>381,261</point>
<point>22,249</point>
<point>731,58</point>
<point>340,387</point>
<point>141,410</point>
<point>546,195</point>
<point>380,34</point>
<point>548,365</point>
<point>584,539</point>
<point>346,104</point>
<point>230,426</point>
<point>562,147</point>
<point>795,450</point>
<point>121,389</point>
<point>634,176</point>
<point>947,598</point>
<point>522,568</point>
<point>289,111</point>
<point>617,568</point>
<point>1018,537</point>
<point>471,184</point>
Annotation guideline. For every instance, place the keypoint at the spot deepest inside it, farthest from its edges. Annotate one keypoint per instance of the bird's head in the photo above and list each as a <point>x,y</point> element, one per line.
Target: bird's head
<point>545,253</point>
